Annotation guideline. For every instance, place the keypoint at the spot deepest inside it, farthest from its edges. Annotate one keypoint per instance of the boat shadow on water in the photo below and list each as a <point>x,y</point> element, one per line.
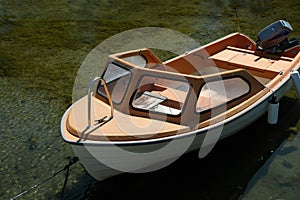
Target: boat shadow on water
<point>223,174</point>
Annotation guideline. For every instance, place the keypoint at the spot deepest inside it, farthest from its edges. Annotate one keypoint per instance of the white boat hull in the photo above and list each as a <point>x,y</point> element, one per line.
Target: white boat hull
<point>106,159</point>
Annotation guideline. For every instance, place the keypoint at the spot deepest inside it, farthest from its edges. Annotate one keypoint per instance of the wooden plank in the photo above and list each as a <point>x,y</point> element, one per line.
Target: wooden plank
<point>248,60</point>
<point>251,61</point>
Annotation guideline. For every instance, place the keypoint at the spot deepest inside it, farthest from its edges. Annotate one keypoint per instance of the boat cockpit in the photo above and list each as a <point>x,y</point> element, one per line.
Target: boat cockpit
<point>140,84</point>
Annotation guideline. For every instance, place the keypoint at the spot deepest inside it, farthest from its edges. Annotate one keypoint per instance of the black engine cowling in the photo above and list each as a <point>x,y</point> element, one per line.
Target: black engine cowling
<point>273,38</point>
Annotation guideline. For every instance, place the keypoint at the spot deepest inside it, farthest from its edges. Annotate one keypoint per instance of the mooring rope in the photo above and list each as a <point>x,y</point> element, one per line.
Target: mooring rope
<point>67,167</point>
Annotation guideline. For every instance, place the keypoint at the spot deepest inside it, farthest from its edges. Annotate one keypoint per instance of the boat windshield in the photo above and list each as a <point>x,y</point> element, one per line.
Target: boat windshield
<point>162,95</point>
<point>117,80</point>
<point>219,92</point>
<point>137,60</point>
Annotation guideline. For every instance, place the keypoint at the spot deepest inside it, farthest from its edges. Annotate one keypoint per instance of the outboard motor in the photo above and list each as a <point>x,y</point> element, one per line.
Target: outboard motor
<point>273,38</point>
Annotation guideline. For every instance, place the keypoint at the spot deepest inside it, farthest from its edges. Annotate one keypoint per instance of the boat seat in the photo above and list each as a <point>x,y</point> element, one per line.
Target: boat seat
<point>232,57</point>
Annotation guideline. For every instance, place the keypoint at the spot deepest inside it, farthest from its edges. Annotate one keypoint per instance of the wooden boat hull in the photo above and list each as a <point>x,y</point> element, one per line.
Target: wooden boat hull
<point>102,160</point>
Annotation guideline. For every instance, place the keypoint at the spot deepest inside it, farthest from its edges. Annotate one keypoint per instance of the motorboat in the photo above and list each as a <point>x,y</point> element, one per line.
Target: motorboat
<point>141,113</point>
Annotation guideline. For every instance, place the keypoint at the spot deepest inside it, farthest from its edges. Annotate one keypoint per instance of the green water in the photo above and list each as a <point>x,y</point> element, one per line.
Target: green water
<point>43,44</point>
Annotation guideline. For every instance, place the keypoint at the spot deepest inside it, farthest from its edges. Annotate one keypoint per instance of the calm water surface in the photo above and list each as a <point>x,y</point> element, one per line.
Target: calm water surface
<point>43,44</point>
